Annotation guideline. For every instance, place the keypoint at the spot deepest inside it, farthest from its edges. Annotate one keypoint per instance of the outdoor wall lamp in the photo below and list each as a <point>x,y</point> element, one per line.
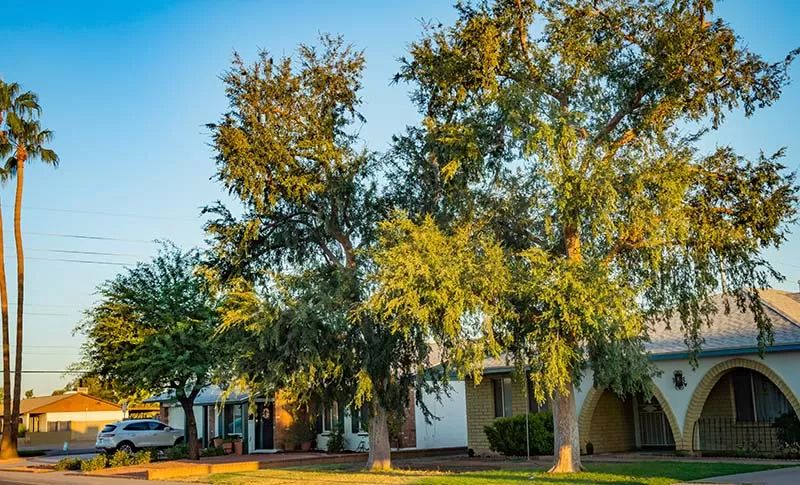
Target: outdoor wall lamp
<point>678,379</point>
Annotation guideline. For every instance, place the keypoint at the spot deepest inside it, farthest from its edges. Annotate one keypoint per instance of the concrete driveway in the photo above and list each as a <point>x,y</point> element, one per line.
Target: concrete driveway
<point>780,476</point>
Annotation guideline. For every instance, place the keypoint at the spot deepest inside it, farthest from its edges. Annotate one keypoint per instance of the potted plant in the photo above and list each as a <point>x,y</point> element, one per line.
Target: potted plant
<point>217,441</point>
<point>302,432</point>
<point>238,446</point>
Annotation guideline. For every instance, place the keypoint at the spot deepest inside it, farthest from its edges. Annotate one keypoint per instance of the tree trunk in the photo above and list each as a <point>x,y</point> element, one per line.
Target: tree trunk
<point>380,453</point>
<point>20,296</point>
<point>192,443</point>
<point>7,450</point>
<point>567,446</point>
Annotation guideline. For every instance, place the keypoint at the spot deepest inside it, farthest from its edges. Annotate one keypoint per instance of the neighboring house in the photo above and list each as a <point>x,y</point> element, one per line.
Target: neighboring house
<point>727,403</point>
<point>71,417</point>
<point>265,424</point>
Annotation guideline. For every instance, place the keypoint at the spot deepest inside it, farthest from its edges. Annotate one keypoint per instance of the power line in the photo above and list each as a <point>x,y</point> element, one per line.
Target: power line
<point>112,214</point>
<point>83,261</point>
<point>95,238</point>
<point>94,253</point>
<point>52,371</point>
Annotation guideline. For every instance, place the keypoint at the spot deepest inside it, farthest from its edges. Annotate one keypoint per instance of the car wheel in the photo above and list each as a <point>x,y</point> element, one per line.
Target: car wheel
<point>126,446</point>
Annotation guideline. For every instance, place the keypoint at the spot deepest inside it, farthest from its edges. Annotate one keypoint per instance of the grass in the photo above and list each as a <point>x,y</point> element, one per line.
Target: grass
<point>641,473</point>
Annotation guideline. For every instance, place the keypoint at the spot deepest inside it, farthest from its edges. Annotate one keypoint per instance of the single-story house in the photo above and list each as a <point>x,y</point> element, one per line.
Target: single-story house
<point>71,417</point>
<point>728,402</point>
<point>264,425</point>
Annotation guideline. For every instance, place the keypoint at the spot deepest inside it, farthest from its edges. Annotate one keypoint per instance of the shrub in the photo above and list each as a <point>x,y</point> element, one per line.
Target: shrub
<point>120,458</point>
<point>788,429</point>
<point>97,463</point>
<point>507,435</point>
<point>212,451</point>
<point>68,464</point>
<point>142,457</point>
<point>336,439</point>
<point>177,452</point>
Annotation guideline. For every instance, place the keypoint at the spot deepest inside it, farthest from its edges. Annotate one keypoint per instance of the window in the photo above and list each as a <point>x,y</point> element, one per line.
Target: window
<point>156,426</point>
<point>502,397</point>
<point>756,398</point>
<point>35,424</point>
<point>359,418</point>
<point>233,420</point>
<point>533,405</point>
<point>59,426</point>
<point>138,426</point>
<point>329,414</point>
<point>108,428</point>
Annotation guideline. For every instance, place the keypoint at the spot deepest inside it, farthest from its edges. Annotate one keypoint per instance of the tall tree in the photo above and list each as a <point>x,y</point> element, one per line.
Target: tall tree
<point>26,140</point>
<point>569,129</point>
<point>153,330</point>
<point>20,104</point>
<point>297,264</point>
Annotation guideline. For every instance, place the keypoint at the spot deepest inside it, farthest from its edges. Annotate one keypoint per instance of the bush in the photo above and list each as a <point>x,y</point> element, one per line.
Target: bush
<point>336,439</point>
<point>212,451</point>
<point>142,457</point>
<point>177,452</point>
<point>507,435</point>
<point>120,458</point>
<point>68,464</point>
<point>788,429</point>
<point>97,463</point>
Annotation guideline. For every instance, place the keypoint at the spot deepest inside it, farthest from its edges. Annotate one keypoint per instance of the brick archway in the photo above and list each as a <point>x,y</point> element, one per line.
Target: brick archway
<point>708,382</point>
<point>593,397</point>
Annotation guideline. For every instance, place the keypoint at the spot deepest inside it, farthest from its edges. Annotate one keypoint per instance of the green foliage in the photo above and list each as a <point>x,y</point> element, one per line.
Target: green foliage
<point>787,430</point>
<point>570,146</point>
<point>122,458</point>
<point>176,452</point>
<point>507,435</point>
<point>154,328</point>
<point>336,439</point>
<point>98,462</point>
<point>142,457</point>
<point>68,463</point>
<point>212,451</point>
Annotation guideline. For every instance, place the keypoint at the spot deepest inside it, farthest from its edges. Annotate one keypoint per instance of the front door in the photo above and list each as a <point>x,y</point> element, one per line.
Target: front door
<point>264,425</point>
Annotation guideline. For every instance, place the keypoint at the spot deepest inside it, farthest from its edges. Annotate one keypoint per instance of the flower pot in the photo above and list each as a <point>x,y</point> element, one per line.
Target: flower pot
<point>227,448</point>
<point>238,447</point>
<point>217,442</point>
<point>305,446</point>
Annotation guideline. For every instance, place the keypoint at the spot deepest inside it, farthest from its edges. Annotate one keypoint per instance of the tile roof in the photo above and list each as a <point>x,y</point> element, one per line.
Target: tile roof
<point>736,329</point>
<point>733,331</point>
<point>65,403</point>
<point>208,396</point>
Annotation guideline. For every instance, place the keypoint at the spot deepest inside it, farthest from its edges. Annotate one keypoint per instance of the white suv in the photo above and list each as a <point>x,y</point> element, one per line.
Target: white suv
<point>131,434</point>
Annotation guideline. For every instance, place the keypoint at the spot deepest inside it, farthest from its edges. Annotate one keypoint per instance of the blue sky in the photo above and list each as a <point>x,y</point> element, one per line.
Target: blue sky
<point>128,86</point>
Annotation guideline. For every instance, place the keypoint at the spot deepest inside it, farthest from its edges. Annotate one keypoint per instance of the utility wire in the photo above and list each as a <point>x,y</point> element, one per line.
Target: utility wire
<point>84,236</point>
<point>112,214</point>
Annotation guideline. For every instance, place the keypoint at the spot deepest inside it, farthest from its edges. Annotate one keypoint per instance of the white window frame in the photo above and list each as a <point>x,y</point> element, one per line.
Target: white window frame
<point>330,414</point>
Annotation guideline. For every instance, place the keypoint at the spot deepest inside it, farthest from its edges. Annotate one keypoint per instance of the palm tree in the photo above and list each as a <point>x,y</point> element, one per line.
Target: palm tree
<point>25,140</point>
<point>11,100</point>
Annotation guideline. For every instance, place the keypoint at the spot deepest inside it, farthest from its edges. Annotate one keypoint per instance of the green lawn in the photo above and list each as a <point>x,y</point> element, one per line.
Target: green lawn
<point>642,473</point>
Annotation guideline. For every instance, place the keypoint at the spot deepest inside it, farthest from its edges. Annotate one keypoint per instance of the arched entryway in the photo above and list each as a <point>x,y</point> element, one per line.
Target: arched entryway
<point>615,424</point>
<point>733,408</point>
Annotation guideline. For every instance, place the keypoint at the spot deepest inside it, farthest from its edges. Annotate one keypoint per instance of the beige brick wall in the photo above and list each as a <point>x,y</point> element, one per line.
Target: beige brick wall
<point>612,427</point>
<point>480,409</point>
<point>719,403</point>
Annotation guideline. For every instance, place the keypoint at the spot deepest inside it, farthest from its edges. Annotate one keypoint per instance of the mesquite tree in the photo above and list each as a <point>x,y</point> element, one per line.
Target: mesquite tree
<point>153,330</point>
<point>569,130</point>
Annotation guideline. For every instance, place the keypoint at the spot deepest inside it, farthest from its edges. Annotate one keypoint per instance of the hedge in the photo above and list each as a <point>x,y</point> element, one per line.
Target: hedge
<point>507,435</point>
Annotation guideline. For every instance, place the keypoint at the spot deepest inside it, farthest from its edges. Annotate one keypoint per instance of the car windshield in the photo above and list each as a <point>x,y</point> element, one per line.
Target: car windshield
<point>108,428</point>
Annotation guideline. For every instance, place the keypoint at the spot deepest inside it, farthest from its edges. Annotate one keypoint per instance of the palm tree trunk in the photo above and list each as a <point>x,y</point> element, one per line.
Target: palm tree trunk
<point>20,297</point>
<point>6,448</point>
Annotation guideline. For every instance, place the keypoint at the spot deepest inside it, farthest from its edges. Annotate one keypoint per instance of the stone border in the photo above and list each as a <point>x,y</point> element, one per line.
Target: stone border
<point>593,397</point>
<point>711,378</point>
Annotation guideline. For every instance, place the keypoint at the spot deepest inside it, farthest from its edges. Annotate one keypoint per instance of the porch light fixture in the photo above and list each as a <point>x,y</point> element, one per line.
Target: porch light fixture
<point>678,379</point>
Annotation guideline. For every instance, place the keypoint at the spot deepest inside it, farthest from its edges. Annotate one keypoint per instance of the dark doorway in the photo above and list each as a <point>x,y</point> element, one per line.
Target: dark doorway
<point>264,425</point>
